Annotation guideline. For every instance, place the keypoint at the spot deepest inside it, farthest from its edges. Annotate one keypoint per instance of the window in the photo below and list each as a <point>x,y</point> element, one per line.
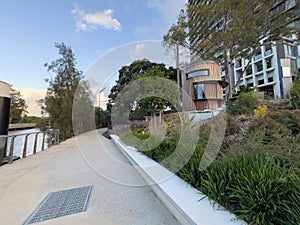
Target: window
<point>268,50</point>
<point>238,63</point>
<point>270,79</point>
<point>258,55</point>
<point>199,91</point>
<point>249,70</point>
<point>197,73</point>
<point>294,65</point>
<point>269,63</point>
<point>259,66</point>
<point>290,4</point>
<point>260,82</point>
<point>289,50</point>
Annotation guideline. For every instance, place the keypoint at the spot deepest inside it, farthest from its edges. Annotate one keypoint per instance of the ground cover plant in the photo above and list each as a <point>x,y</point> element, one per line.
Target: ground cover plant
<point>256,174</point>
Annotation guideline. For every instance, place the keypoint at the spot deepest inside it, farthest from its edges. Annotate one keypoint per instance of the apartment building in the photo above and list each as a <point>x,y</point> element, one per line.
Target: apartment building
<point>275,66</point>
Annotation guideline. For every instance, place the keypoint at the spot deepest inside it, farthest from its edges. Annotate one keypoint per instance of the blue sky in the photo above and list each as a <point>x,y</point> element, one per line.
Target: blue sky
<point>91,27</point>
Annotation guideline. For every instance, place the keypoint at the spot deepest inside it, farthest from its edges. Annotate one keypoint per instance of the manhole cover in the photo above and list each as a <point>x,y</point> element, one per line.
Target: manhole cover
<point>61,203</point>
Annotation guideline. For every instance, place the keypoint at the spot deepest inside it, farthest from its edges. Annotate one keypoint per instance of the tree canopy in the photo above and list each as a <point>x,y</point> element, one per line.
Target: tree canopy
<point>139,69</point>
<point>18,108</point>
<point>215,28</point>
<point>60,95</point>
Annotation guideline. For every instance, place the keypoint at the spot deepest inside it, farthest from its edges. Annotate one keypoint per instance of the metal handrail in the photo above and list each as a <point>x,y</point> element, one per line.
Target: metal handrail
<point>53,139</point>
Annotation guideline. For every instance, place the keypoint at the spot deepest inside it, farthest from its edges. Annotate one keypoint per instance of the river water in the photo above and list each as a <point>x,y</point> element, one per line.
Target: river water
<point>20,139</point>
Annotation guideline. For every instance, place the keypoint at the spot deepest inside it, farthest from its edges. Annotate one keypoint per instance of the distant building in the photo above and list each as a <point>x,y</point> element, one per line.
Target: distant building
<point>202,82</point>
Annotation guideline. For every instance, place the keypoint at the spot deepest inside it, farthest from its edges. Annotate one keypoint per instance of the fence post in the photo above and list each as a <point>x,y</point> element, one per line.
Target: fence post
<point>57,136</point>
<point>43,143</point>
<point>11,150</point>
<point>25,146</point>
<point>49,139</point>
<point>35,143</point>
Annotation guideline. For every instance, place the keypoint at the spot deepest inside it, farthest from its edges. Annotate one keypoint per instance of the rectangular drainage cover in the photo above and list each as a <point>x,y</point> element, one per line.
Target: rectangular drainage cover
<point>61,203</point>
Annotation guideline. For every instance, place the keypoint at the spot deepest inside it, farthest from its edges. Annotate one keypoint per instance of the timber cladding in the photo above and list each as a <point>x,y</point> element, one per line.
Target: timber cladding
<point>201,83</point>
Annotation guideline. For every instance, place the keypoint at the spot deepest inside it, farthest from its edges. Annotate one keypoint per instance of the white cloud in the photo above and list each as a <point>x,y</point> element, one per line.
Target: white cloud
<point>139,50</point>
<point>31,97</point>
<point>91,21</point>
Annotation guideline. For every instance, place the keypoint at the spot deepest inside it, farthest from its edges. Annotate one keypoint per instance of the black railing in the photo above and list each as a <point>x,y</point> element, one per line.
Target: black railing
<point>50,137</point>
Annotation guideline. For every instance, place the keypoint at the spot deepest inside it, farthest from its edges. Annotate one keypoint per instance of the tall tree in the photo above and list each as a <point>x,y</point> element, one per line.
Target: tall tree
<point>230,29</point>
<point>58,102</point>
<point>18,108</point>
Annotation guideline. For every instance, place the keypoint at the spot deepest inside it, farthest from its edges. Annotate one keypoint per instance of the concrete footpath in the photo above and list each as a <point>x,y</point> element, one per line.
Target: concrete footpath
<point>119,196</point>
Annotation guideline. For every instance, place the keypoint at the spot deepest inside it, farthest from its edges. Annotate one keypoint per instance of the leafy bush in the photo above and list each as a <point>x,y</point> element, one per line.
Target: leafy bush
<point>290,119</point>
<point>271,138</point>
<point>294,94</point>
<point>244,104</point>
<point>255,188</point>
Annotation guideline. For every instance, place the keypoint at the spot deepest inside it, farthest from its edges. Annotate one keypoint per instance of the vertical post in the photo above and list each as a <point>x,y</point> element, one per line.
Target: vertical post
<point>25,146</point>
<point>11,150</point>
<point>49,139</point>
<point>5,100</point>
<point>99,93</point>
<point>35,143</point>
<point>57,136</point>
<point>43,143</point>
<point>178,73</point>
<point>177,65</point>
<point>229,72</point>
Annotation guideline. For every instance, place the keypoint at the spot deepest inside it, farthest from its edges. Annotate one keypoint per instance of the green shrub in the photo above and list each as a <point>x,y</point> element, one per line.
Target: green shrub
<point>190,172</point>
<point>244,104</point>
<point>271,138</point>
<point>255,188</point>
<point>289,119</point>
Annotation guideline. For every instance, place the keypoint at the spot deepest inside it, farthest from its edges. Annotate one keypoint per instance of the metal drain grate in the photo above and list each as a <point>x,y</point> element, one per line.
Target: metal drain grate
<point>61,203</point>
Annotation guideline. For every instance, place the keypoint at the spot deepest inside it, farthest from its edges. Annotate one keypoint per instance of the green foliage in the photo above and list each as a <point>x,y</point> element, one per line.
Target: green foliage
<point>257,189</point>
<point>271,138</point>
<point>289,119</point>
<point>41,122</point>
<point>294,94</point>
<point>102,118</point>
<point>141,69</point>
<point>244,104</point>
<point>258,181</point>
<point>58,102</point>
<point>191,172</point>
<point>17,109</point>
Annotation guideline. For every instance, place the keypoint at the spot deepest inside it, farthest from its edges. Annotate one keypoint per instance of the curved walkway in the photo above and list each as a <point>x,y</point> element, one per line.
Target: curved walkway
<point>79,162</point>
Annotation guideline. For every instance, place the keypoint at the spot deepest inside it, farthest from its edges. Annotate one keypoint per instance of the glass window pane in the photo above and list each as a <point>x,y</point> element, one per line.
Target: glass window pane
<point>198,73</point>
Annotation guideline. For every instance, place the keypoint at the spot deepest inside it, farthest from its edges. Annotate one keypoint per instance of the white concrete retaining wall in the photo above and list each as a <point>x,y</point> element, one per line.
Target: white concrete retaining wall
<point>180,198</point>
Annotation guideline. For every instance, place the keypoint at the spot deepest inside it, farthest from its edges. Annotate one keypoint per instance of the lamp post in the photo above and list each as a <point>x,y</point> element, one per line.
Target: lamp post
<point>99,103</point>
